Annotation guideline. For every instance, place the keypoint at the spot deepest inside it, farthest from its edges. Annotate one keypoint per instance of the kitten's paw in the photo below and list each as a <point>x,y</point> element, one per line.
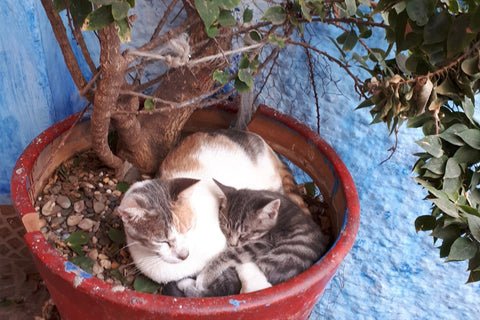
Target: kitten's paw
<point>186,283</point>
<point>251,287</point>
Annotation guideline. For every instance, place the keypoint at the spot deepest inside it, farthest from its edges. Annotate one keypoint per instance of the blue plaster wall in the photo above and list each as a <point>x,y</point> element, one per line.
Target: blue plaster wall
<point>390,273</point>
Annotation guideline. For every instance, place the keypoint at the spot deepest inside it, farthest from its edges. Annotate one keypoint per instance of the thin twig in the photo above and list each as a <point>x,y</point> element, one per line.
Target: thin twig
<point>392,149</point>
<point>314,85</point>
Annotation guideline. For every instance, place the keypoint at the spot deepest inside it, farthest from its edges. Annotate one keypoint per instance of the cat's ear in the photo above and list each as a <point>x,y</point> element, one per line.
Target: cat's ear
<point>270,210</point>
<point>178,185</point>
<point>129,209</point>
<point>225,189</point>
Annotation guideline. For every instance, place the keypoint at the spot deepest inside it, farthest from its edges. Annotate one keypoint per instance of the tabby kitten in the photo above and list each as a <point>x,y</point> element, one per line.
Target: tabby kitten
<point>270,240</point>
<point>172,223</point>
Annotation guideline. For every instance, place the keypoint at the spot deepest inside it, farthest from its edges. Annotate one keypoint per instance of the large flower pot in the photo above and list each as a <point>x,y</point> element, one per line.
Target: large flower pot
<point>78,295</point>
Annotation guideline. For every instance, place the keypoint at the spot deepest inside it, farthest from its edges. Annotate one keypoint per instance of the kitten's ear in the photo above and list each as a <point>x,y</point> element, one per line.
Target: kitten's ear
<point>270,210</point>
<point>225,189</point>
<point>178,185</point>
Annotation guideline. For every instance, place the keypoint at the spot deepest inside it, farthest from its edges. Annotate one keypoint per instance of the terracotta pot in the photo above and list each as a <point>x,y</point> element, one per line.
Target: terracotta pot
<point>78,295</point>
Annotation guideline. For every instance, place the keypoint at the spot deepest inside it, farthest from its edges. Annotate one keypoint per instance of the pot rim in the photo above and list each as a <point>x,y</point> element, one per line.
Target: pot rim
<point>295,286</point>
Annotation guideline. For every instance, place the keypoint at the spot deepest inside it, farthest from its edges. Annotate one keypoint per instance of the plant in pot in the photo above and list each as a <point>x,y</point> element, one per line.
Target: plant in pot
<point>215,50</point>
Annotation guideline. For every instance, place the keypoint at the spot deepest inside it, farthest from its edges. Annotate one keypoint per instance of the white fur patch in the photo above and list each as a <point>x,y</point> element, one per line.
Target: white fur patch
<point>252,278</point>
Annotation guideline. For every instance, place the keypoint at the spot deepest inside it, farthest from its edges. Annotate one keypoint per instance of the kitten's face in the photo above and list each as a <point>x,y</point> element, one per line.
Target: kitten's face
<point>246,215</point>
<point>150,221</point>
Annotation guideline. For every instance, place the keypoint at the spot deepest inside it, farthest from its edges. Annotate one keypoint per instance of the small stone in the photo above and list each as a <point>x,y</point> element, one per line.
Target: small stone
<point>97,269</point>
<point>94,240</point>
<point>102,256</point>
<point>74,219</point>
<point>63,202</point>
<point>49,208</point>
<point>98,206</point>
<point>79,206</point>
<point>92,254</point>
<point>106,180</point>
<point>86,224</point>
<point>117,193</point>
<point>106,264</point>
<point>42,223</point>
<point>115,265</point>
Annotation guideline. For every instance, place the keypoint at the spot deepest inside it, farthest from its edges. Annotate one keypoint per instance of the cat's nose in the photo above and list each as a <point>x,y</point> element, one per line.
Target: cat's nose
<point>183,255</point>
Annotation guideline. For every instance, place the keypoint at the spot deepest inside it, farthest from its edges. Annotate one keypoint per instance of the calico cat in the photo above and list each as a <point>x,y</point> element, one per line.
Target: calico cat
<point>171,222</point>
<point>270,240</point>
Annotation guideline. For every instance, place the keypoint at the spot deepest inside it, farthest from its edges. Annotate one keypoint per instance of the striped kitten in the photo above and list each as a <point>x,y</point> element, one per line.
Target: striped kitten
<point>270,240</point>
<point>172,223</point>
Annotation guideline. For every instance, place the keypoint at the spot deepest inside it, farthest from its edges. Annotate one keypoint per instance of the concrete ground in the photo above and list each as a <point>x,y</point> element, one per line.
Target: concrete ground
<point>23,294</point>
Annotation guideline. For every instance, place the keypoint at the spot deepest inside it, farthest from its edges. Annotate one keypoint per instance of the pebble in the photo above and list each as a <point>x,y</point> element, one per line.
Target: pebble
<point>48,208</point>
<point>106,264</point>
<point>86,224</point>
<point>92,254</point>
<point>98,206</point>
<point>63,202</point>
<point>74,220</point>
<point>79,206</point>
<point>97,268</point>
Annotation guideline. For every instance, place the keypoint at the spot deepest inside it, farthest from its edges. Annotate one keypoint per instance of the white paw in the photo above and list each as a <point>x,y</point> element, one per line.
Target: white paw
<point>246,288</point>
<point>186,284</point>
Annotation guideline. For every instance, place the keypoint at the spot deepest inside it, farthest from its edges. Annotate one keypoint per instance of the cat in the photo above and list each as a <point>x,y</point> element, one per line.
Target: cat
<point>270,240</point>
<point>172,224</point>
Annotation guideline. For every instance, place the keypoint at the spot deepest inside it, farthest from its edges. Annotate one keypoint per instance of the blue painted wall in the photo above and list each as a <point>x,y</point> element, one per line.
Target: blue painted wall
<point>390,273</point>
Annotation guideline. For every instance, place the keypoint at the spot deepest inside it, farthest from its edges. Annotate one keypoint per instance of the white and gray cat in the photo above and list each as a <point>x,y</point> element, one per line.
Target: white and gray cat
<point>172,223</point>
<point>270,240</point>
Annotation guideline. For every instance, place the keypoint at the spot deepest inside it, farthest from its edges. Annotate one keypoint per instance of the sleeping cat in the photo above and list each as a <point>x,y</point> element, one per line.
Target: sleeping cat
<point>270,240</point>
<point>172,224</point>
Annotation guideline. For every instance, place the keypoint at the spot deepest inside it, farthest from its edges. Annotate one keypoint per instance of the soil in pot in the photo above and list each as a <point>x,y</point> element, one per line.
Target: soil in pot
<point>77,216</point>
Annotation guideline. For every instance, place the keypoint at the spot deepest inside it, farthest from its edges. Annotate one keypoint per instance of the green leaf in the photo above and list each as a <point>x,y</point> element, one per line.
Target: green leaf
<point>475,20</point>
<point>247,15</point>
<point>227,4</point>
<point>244,63</point>
<point>437,28</point>
<point>255,35</point>
<point>474,276</point>
<point>59,5</point>
<point>221,76</point>
<point>240,85</point>
<point>446,206</point>
<point>451,134</point>
<point>80,9</point>
<point>350,41</point>
<point>452,169</point>
<point>458,38</point>
<point>275,14</point>
<point>436,165</point>
<point>123,28</point>
<point>103,2</point>
<point>351,8</point>
<point>208,11</point>
<point>468,155</point>
<point>116,236</point>
<point>99,18</point>
<point>420,10</point>
<point>79,237</point>
<point>471,137</point>
<point>470,66</point>
<point>425,223</point>
<point>131,3</point>
<point>246,77</point>
<point>212,31</point>
<point>311,189</point>
<point>432,144</point>
<point>148,105</point>
<point>277,40</point>
<point>120,10</point>
<point>364,104</point>
<point>84,263</point>
<point>144,284</point>
<point>225,18</point>
<point>462,249</point>
<point>474,226</point>
<point>123,186</point>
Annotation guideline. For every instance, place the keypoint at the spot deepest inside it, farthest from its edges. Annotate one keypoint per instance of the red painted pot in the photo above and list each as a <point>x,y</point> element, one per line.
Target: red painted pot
<point>78,295</point>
